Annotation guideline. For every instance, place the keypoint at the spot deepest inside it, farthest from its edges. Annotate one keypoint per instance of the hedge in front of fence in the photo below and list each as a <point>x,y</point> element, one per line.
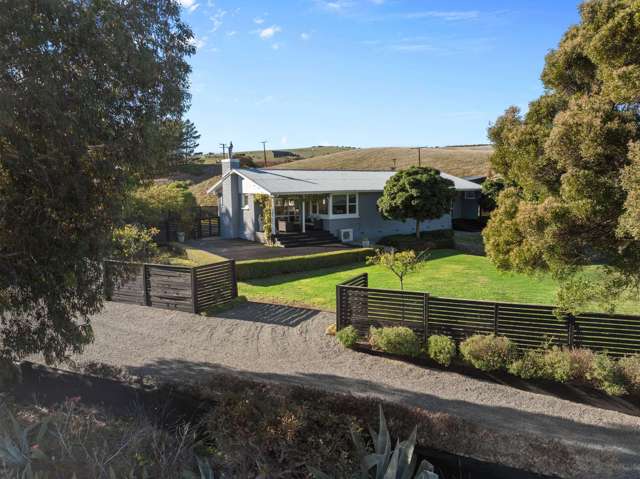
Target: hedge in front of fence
<point>263,268</point>
<point>438,239</point>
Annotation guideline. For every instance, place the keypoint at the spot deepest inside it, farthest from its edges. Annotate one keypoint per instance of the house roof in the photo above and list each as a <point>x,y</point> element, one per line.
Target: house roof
<point>325,181</point>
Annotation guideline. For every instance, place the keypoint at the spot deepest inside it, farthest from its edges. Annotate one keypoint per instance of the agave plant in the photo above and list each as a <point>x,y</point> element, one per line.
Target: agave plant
<point>383,462</point>
<point>18,446</point>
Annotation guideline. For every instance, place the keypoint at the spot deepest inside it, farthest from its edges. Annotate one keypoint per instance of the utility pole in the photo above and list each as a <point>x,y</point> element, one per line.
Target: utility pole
<point>419,148</point>
<point>223,145</point>
<point>264,151</point>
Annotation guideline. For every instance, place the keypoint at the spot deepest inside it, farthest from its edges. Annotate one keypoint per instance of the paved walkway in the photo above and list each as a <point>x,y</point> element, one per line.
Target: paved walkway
<point>287,344</point>
<point>241,250</point>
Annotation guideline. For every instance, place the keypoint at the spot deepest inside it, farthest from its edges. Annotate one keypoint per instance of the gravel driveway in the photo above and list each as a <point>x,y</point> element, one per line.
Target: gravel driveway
<point>286,344</point>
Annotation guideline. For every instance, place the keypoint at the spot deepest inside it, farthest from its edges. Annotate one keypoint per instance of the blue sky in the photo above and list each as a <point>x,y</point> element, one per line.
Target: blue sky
<point>365,72</point>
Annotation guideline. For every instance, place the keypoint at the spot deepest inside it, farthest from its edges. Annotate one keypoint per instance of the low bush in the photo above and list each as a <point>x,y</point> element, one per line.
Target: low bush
<point>134,243</point>
<point>395,340</point>
<point>263,268</point>
<point>442,349</point>
<point>556,364</point>
<point>607,374</point>
<point>438,239</point>
<point>530,366</point>
<point>488,352</point>
<point>630,371</point>
<point>348,336</point>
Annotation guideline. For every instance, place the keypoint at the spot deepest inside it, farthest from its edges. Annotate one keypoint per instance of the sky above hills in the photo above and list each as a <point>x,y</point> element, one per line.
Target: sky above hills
<point>365,72</point>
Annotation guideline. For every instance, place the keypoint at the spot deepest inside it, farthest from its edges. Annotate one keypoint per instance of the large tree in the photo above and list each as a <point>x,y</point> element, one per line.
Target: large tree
<point>574,161</point>
<point>85,89</point>
<point>417,193</point>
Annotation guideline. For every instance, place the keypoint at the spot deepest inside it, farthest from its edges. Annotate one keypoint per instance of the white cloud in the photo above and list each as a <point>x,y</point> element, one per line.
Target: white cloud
<point>189,5</point>
<point>269,32</point>
<point>276,46</point>
<point>445,15</point>
<point>305,36</point>
<point>335,6</point>
<point>284,140</point>
<point>258,21</point>
<point>198,42</point>
<point>232,33</point>
<point>377,2</point>
<point>216,19</point>
<point>265,100</point>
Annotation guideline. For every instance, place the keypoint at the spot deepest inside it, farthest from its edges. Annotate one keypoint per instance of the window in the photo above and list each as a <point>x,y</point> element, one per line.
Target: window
<point>323,206</point>
<point>345,204</point>
<point>469,195</point>
<point>245,201</point>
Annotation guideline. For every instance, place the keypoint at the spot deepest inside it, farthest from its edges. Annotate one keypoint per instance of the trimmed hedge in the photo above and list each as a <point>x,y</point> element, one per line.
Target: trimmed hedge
<point>438,239</point>
<point>263,268</point>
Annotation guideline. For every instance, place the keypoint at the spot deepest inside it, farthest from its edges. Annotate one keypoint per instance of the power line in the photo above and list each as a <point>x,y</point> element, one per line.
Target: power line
<point>419,148</point>
<point>223,145</point>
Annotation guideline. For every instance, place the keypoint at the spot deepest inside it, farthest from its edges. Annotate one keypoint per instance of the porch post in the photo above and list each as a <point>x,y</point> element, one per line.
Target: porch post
<point>273,215</point>
<point>304,219</point>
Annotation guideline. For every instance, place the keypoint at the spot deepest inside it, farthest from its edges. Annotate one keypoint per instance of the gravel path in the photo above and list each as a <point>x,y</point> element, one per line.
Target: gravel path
<point>287,344</point>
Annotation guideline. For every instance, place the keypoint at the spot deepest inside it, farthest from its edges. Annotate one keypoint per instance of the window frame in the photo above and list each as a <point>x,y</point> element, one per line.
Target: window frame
<point>348,195</point>
<point>244,201</point>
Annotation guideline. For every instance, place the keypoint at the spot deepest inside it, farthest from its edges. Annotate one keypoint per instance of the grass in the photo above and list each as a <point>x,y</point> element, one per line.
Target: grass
<point>458,160</point>
<point>182,255</point>
<point>447,273</point>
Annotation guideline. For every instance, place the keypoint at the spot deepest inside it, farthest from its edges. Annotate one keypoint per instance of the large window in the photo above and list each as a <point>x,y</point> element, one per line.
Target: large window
<point>345,204</point>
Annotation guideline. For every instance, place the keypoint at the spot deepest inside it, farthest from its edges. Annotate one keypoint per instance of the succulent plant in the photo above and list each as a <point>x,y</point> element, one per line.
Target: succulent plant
<point>383,462</point>
<point>18,445</point>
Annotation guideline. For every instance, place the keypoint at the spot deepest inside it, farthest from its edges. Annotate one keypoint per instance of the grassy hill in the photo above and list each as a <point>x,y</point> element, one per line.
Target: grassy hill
<point>456,160</point>
<point>257,156</point>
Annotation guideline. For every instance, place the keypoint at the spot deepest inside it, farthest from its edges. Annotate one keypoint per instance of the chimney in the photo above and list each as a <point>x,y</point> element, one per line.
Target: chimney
<point>229,164</point>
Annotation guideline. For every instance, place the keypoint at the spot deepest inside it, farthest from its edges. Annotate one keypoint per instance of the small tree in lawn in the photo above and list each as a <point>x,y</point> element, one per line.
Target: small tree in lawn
<point>400,263</point>
<point>417,193</point>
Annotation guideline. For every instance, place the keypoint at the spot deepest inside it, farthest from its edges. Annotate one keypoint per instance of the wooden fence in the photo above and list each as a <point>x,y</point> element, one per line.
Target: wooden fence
<point>527,325</point>
<point>206,223</point>
<point>191,289</point>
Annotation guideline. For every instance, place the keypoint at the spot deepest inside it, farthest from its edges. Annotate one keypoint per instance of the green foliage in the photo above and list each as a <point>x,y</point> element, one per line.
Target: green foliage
<point>400,263</point>
<point>491,189</point>
<point>488,352</point>
<point>530,366</point>
<point>19,444</point>
<point>437,239</point>
<point>442,349</point>
<point>347,336</point>
<point>607,374</point>
<point>417,193</point>
<point>564,365</point>
<point>395,340</point>
<point>134,243</point>
<point>630,372</point>
<point>265,268</point>
<point>385,462</point>
<point>89,88</point>
<point>571,162</point>
<point>264,201</point>
<point>154,204</point>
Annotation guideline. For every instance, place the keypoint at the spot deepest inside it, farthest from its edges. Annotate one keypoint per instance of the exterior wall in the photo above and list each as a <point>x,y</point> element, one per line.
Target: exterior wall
<point>249,221</point>
<point>463,208</point>
<point>229,213</point>
<point>371,225</point>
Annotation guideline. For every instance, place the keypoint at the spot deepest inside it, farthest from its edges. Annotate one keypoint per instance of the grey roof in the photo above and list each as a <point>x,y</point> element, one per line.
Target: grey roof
<point>327,181</point>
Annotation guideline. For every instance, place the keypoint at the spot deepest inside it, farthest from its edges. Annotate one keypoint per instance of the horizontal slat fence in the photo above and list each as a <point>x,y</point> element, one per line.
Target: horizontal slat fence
<point>183,288</point>
<point>527,325</point>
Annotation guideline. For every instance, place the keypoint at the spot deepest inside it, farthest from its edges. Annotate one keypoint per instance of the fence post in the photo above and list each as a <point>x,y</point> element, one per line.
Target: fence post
<point>338,308</point>
<point>425,316</point>
<point>234,279</point>
<point>496,315</point>
<point>366,280</point>
<point>146,284</point>
<point>571,321</point>
<point>194,290</point>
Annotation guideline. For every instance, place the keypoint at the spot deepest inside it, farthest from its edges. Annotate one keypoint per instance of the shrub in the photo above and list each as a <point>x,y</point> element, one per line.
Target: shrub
<point>530,366</point>
<point>630,371</point>
<point>607,374</point>
<point>348,336</point>
<point>395,340</point>
<point>442,349</point>
<point>488,352</point>
<point>437,239</point>
<point>263,268</point>
<point>152,205</point>
<point>558,364</point>
<point>134,243</point>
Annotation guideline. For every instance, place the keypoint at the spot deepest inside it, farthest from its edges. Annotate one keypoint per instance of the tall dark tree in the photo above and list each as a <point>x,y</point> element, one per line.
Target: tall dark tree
<point>185,137</point>
<point>85,89</point>
<point>574,160</point>
<point>418,193</point>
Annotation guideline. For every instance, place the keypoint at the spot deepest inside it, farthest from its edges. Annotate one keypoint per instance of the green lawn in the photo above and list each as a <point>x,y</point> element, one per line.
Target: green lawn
<point>447,273</point>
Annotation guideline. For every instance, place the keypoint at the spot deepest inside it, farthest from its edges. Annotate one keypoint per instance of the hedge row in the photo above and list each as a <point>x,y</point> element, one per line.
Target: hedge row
<point>263,268</point>
<point>438,239</point>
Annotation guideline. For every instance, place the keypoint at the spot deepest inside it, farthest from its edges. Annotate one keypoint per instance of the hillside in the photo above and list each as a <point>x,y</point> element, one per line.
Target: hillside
<point>295,154</point>
<point>456,160</point>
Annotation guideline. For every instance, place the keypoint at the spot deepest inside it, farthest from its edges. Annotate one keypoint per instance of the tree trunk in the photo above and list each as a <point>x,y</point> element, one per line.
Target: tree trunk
<point>418,229</point>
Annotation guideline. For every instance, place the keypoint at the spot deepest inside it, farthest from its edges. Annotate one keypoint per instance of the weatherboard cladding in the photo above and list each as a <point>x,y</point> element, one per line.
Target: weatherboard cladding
<point>280,182</point>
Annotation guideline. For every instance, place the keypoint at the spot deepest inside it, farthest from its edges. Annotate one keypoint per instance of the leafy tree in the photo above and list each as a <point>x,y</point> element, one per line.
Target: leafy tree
<point>85,90</point>
<point>152,205</point>
<point>134,243</point>
<point>185,138</point>
<point>574,162</point>
<point>400,263</point>
<point>418,193</point>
